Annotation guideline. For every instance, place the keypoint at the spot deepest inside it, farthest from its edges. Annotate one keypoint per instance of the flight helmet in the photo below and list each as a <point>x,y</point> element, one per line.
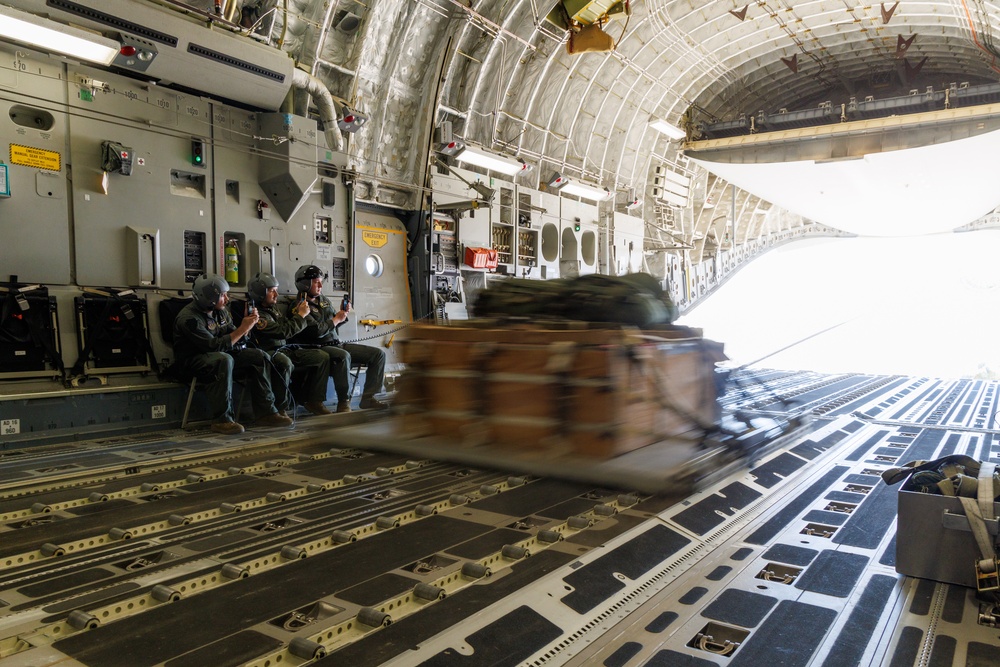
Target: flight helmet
<point>207,289</point>
<point>259,284</point>
<point>304,276</point>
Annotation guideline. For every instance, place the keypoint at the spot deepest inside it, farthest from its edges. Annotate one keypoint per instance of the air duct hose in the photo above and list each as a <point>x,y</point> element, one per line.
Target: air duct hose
<point>327,110</point>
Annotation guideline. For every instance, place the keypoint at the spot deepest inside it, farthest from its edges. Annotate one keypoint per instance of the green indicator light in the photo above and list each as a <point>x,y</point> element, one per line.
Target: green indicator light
<point>197,152</point>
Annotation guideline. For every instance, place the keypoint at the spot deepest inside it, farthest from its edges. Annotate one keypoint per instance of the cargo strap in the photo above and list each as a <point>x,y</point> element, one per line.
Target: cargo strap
<point>896,475</point>
<point>480,357</point>
<point>560,364</point>
<point>978,511</point>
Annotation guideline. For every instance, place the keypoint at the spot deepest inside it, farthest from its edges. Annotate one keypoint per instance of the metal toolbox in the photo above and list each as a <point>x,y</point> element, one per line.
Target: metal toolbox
<point>933,538</point>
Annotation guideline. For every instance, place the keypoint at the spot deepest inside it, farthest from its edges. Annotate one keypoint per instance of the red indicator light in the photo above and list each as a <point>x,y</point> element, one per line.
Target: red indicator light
<point>127,50</point>
<point>349,118</point>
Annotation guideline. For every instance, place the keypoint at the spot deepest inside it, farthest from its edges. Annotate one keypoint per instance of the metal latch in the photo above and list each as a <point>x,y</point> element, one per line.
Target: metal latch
<point>989,615</point>
<point>987,577</point>
<point>297,620</point>
<point>708,643</point>
<point>771,575</point>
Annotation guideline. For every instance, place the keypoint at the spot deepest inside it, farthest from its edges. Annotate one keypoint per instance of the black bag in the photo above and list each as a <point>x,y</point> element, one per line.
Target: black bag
<point>28,330</point>
<point>169,309</point>
<point>113,330</point>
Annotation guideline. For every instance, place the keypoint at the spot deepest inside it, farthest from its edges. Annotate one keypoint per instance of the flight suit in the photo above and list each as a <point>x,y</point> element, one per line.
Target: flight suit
<point>202,349</point>
<point>320,331</point>
<point>271,333</point>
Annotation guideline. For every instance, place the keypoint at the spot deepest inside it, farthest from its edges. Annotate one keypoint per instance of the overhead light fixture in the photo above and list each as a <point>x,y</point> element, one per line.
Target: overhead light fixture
<point>452,148</point>
<point>666,128</point>
<point>586,192</point>
<point>558,181</point>
<point>351,121</point>
<point>491,162</point>
<point>45,35</point>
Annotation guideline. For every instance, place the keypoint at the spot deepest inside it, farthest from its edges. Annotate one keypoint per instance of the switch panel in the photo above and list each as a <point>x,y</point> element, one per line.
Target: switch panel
<point>322,226</point>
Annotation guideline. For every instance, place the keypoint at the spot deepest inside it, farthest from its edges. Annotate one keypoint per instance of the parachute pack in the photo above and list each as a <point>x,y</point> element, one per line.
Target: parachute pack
<point>635,299</point>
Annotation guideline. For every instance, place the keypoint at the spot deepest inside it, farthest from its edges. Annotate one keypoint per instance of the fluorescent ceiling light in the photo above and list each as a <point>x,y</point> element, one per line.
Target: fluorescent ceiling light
<point>666,128</point>
<point>491,162</point>
<point>585,191</point>
<point>40,33</point>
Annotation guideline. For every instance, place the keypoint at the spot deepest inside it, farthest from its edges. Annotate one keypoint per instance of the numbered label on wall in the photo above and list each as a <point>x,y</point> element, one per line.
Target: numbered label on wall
<point>10,426</point>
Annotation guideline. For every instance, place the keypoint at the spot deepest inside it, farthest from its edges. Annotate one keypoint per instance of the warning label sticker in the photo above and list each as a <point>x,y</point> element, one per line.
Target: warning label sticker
<point>374,239</point>
<point>39,158</point>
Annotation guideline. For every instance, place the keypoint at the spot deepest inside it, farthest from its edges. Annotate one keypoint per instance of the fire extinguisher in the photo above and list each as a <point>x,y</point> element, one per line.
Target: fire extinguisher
<point>232,261</point>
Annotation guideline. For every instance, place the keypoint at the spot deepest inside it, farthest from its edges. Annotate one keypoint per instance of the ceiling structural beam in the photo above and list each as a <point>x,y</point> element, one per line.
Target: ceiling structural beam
<point>907,131</point>
<point>476,17</point>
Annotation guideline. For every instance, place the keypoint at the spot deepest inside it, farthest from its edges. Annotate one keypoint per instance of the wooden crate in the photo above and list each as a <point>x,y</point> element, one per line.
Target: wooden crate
<point>589,392</point>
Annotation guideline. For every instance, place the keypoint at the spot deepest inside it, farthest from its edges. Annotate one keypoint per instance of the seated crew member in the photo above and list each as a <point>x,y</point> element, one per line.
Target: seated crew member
<point>321,329</point>
<point>273,329</point>
<point>206,346</point>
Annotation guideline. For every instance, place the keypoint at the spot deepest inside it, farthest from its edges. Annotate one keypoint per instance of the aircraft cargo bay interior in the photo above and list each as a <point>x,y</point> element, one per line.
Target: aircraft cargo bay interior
<point>416,332</point>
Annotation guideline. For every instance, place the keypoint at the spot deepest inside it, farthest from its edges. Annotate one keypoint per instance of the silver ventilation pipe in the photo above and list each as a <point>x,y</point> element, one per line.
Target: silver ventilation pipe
<point>327,109</point>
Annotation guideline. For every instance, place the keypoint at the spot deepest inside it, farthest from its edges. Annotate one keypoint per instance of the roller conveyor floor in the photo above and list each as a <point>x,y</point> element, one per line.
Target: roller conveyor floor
<point>323,545</point>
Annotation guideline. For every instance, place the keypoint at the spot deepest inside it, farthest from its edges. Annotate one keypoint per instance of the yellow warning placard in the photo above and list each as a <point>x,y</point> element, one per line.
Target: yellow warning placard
<point>374,239</point>
<point>38,158</point>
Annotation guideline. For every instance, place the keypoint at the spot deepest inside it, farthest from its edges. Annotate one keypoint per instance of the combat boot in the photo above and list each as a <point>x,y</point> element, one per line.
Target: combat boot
<point>227,428</point>
<point>274,419</point>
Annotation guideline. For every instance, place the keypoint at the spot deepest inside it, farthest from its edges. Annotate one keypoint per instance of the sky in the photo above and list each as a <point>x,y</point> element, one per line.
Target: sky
<point>926,306</point>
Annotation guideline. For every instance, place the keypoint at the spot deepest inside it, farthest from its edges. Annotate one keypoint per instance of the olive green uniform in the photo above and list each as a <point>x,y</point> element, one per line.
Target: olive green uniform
<point>320,331</point>
<point>203,349</point>
<point>271,334</point>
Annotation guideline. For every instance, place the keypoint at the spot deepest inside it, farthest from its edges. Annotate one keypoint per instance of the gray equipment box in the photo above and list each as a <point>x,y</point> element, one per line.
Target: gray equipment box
<point>933,538</point>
